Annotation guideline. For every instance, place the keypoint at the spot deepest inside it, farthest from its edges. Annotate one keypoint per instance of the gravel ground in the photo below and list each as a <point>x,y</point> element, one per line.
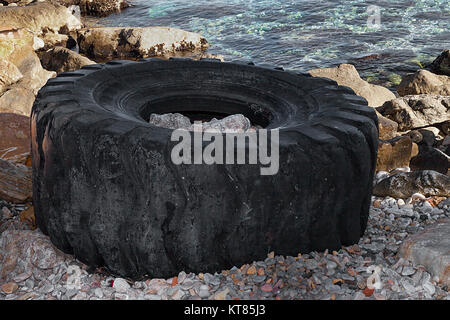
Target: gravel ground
<point>317,275</point>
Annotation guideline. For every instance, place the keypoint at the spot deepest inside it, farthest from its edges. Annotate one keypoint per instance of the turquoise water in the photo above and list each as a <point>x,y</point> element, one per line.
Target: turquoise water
<point>306,34</point>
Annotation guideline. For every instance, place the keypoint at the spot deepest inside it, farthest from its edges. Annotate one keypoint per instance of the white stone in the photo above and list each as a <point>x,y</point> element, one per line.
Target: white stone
<point>121,285</point>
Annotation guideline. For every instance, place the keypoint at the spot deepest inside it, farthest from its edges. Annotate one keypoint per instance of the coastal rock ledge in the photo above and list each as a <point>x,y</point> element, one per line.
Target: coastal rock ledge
<point>134,42</point>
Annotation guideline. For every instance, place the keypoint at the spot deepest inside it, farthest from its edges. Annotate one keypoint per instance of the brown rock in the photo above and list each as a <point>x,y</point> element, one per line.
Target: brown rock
<point>12,39</point>
<point>14,137</point>
<point>61,59</point>
<point>39,17</point>
<point>387,128</point>
<point>27,216</point>
<point>52,39</point>
<point>10,287</point>
<point>34,76</point>
<point>424,82</point>
<point>346,75</point>
<point>417,111</point>
<point>17,100</point>
<point>431,249</point>
<point>15,182</point>
<point>9,74</point>
<point>115,42</point>
<point>394,153</point>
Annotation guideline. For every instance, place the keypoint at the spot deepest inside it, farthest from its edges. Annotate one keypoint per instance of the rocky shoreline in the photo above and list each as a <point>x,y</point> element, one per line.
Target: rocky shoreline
<point>407,235</point>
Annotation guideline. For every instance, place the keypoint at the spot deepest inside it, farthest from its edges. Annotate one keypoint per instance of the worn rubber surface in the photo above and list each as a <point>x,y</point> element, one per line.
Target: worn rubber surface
<point>105,189</point>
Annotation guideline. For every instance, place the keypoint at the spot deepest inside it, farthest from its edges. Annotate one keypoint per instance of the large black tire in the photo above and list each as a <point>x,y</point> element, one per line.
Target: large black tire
<point>105,189</point>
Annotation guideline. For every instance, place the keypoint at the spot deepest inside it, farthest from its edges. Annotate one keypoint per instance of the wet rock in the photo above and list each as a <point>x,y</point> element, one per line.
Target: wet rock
<point>430,248</point>
<point>394,153</point>
<point>441,65</point>
<point>24,251</point>
<point>60,59</point>
<point>346,75</point>
<point>40,17</point>
<point>430,158</point>
<point>424,82</point>
<point>403,185</point>
<point>15,182</point>
<point>9,74</point>
<point>115,42</point>
<point>14,137</point>
<point>417,111</point>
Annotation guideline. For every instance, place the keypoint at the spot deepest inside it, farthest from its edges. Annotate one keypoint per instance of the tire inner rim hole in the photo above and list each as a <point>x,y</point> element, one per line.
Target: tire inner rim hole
<point>205,108</point>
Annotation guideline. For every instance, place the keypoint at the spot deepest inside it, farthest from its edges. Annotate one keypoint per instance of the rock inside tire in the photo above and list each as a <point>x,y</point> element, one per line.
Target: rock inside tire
<point>105,188</point>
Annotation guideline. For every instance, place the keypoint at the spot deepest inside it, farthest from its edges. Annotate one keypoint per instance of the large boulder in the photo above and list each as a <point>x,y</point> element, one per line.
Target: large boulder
<point>441,65</point>
<point>424,82</point>
<point>347,75</point>
<point>17,100</point>
<point>61,59</point>
<point>12,39</point>
<point>28,63</point>
<point>40,17</point>
<point>394,153</point>
<point>15,182</point>
<point>431,249</point>
<point>14,137</point>
<point>9,74</point>
<point>405,184</point>
<point>417,111</point>
<point>114,42</point>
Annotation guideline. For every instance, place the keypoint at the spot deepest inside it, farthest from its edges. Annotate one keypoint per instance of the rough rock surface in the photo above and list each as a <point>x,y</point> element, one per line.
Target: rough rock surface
<point>346,75</point>
<point>170,120</point>
<point>39,17</point>
<point>8,74</point>
<point>232,123</point>
<point>430,158</point>
<point>15,182</point>
<point>116,42</point>
<point>441,65</point>
<point>14,137</point>
<point>387,128</point>
<point>96,7</point>
<point>17,100</point>
<point>12,39</point>
<point>28,252</point>
<point>424,82</point>
<point>405,184</point>
<point>416,111</point>
<point>431,249</point>
<point>394,153</point>
<point>61,59</point>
